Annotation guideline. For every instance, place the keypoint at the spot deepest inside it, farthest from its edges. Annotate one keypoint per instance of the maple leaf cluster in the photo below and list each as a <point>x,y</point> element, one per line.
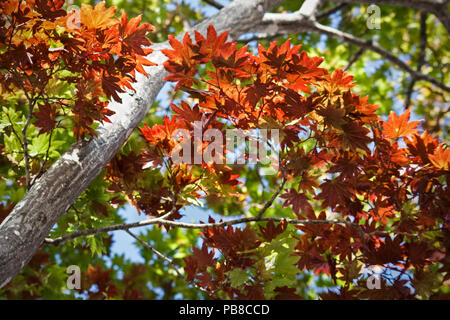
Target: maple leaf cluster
<point>237,250</point>
<point>69,63</point>
<point>363,191</point>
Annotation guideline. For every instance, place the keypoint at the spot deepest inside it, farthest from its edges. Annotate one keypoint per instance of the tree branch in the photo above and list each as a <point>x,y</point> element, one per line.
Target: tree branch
<point>185,225</point>
<point>172,264</point>
<point>329,12</point>
<point>214,3</point>
<point>26,227</point>
<point>421,60</point>
<point>26,156</point>
<point>275,195</point>
<point>355,58</point>
<point>309,9</point>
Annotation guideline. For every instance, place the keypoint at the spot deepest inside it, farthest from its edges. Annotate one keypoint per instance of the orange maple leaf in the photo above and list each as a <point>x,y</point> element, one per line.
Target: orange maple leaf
<point>441,158</point>
<point>398,127</point>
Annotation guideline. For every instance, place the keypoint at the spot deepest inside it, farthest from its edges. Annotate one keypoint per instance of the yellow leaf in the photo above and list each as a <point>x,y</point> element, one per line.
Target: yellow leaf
<point>98,17</point>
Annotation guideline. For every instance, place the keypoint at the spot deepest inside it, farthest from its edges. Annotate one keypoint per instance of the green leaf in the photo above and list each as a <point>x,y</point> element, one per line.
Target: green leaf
<point>237,277</point>
<point>39,145</point>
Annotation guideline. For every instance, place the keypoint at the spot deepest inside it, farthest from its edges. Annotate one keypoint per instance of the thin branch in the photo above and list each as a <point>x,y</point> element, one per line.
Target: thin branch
<point>43,164</point>
<point>26,156</point>
<point>171,263</point>
<point>13,129</point>
<point>214,3</point>
<point>421,60</point>
<point>373,46</point>
<point>355,58</point>
<point>326,13</point>
<point>185,225</point>
<point>275,195</point>
<point>174,207</point>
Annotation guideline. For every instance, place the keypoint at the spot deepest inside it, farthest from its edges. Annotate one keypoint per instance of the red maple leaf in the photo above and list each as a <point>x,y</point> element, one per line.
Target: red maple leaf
<point>212,45</point>
<point>46,118</point>
<point>203,258</point>
<point>181,57</point>
<point>134,35</point>
<point>334,193</point>
<point>270,231</point>
<point>299,202</point>
<point>186,113</point>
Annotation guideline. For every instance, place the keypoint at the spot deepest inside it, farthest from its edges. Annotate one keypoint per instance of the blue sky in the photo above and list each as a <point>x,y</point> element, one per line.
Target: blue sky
<point>124,243</point>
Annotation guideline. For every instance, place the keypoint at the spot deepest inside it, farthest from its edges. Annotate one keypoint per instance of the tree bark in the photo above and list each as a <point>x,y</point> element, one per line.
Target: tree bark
<point>25,228</point>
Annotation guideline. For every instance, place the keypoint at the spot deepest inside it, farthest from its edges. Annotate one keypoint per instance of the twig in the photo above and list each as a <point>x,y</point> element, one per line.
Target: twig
<point>421,60</point>
<point>355,58</point>
<point>42,168</point>
<point>275,195</point>
<point>326,13</point>
<point>172,264</point>
<point>214,3</point>
<point>26,156</point>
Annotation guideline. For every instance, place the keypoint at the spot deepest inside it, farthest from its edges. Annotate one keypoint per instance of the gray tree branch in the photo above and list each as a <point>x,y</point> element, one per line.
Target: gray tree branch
<point>186,225</point>
<point>309,8</point>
